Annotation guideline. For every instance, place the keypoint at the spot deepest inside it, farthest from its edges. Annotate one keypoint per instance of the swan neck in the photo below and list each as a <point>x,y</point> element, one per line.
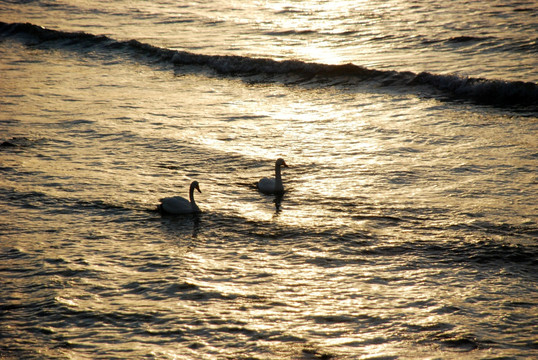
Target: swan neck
<point>191,196</point>
<point>278,176</point>
<point>279,187</point>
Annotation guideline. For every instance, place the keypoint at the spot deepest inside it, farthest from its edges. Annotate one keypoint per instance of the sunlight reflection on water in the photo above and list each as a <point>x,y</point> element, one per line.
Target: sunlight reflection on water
<point>396,233</point>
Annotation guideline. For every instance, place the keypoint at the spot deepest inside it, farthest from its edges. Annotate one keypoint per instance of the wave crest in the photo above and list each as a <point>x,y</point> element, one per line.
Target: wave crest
<point>478,90</point>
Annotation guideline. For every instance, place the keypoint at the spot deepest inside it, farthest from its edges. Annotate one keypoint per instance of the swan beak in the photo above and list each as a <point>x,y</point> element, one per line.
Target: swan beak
<point>198,188</point>
<point>285,165</point>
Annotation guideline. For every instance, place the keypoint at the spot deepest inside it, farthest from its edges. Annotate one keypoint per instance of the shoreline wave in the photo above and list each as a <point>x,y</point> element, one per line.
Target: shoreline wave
<point>499,93</point>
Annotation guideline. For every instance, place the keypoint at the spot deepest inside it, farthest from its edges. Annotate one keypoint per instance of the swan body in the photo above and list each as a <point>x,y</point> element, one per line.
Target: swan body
<point>273,185</point>
<point>178,205</point>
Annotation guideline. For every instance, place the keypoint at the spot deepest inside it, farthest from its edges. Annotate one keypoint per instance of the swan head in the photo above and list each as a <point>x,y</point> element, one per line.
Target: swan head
<point>281,162</point>
<point>195,185</point>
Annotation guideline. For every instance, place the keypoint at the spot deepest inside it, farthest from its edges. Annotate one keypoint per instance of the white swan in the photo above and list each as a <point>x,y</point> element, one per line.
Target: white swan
<point>178,205</point>
<point>273,186</point>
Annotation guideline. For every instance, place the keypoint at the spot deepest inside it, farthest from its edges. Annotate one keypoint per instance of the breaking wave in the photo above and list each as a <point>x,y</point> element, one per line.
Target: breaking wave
<point>478,90</point>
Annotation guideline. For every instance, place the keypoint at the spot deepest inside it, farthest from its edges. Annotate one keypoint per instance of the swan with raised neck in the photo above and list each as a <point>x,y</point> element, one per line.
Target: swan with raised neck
<point>178,205</point>
<point>273,185</point>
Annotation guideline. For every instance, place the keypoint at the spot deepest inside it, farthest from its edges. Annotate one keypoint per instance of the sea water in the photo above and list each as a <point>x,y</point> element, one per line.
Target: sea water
<point>409,224</point>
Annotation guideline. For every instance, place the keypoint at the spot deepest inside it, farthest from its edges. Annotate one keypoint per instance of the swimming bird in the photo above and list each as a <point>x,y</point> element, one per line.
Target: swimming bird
<point>178,205</point>
<point>273,185</point>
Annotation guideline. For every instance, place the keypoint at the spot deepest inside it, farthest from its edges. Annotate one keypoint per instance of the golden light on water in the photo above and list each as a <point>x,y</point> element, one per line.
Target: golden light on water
<point>394,234</point>
<point>320,52</point>
<point>312,40</point>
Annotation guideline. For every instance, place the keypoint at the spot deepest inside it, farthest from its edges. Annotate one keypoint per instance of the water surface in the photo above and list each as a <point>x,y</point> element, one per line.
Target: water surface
<point>408,228</point>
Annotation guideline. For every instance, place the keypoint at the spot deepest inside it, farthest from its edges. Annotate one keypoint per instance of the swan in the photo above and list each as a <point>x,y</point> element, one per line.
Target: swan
<point>273,185</point>
<point>178,205</point>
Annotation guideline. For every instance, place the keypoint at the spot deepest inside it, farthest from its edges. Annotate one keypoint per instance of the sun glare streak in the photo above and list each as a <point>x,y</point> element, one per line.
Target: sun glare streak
<point>321,52</point>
